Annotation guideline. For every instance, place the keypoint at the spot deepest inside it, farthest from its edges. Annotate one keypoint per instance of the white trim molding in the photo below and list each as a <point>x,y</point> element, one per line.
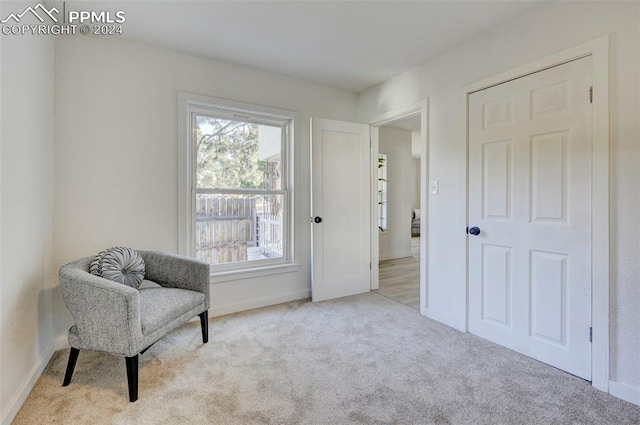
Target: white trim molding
<point>625,392</point>
<point>225,309</point>
<point>598,49</point>
<point>441,317</point>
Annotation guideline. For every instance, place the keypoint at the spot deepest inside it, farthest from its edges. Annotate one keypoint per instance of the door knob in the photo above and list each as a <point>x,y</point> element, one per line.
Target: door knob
<point>475,231</point>
<point>318,219</point>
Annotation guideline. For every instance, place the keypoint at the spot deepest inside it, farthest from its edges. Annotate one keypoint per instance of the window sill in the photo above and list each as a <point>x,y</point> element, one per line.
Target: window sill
<point>221,277</point>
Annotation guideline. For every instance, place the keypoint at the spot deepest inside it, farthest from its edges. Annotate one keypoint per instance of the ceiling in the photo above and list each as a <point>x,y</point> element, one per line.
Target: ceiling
<point>352,45</point>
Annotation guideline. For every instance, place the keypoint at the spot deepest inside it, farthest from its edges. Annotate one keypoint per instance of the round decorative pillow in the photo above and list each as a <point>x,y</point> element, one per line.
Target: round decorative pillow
<point>119,264</point>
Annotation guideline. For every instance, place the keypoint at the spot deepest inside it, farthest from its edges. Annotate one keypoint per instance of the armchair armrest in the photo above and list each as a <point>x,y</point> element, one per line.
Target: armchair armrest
<point>177,271</point>
<point>107,314</point>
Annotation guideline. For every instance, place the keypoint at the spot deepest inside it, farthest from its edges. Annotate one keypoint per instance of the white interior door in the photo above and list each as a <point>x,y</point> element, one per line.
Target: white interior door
<point>530,150</point>
<point>341,199</point>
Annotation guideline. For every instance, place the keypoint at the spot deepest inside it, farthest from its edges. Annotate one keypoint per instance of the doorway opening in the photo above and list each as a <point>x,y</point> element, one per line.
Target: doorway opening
<point>398,211</point>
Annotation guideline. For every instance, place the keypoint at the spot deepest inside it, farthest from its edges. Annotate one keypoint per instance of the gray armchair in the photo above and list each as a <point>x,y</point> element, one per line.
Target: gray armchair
<point>117,319</point>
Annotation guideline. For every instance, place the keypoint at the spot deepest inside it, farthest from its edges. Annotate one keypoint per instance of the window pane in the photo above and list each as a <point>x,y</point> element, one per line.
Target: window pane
<point>382,192</point>
<point>237,155</point>
<point>234,228</point>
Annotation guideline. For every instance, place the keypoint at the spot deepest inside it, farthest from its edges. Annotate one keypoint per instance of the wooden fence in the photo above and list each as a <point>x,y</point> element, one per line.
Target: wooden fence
<point>226,227</point>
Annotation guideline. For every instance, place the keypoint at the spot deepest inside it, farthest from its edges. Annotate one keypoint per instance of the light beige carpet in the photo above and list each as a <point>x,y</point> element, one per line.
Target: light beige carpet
<point>358,360</point>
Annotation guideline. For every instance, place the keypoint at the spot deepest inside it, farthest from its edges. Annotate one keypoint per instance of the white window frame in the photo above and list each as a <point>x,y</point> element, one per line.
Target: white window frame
<point>223,108</point>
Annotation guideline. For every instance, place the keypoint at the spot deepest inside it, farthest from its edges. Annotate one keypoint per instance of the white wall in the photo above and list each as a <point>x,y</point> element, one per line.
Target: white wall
<point>116,153</point>
<point>396,241</point>
<point>416,154</point>
<point>26,214</point>
<point>548,28</point>
<point>416,144</point>
<point>415,173</point>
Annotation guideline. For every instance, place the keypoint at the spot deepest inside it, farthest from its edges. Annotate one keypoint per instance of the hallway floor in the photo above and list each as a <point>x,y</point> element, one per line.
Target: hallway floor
<point>400,277</point>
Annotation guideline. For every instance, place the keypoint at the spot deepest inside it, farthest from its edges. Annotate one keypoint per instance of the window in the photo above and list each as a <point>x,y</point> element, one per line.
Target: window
<point>382,192</point>
<point>239,210</point>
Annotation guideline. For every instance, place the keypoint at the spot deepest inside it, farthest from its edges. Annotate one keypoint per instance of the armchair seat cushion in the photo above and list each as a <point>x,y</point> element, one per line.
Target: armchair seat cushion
<point>162,306</point>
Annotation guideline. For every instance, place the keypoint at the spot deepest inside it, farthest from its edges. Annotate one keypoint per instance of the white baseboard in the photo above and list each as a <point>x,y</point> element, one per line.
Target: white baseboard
<point>23,392</point>
<point>625,391</point>
<point>442,318</point>
<point>395,255</point>
<point>221,310</point>
<point>61,342</point>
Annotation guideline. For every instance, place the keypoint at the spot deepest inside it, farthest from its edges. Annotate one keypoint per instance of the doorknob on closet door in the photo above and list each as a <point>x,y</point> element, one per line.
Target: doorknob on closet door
<point>317,219</point>
<point>475,231</point>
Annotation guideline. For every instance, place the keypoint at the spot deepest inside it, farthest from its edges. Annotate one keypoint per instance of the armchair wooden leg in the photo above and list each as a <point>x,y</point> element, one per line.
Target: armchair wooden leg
<point>71,365</point>
<point>132,377</point>
<point>204,324</point>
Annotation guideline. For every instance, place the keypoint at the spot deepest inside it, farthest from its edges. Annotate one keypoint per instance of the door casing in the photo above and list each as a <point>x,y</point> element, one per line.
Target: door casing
<point>421,107</point>
<point>598,49</point>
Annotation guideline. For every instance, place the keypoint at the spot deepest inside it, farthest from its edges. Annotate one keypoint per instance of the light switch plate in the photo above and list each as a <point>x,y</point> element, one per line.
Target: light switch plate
<point>433,187</point>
